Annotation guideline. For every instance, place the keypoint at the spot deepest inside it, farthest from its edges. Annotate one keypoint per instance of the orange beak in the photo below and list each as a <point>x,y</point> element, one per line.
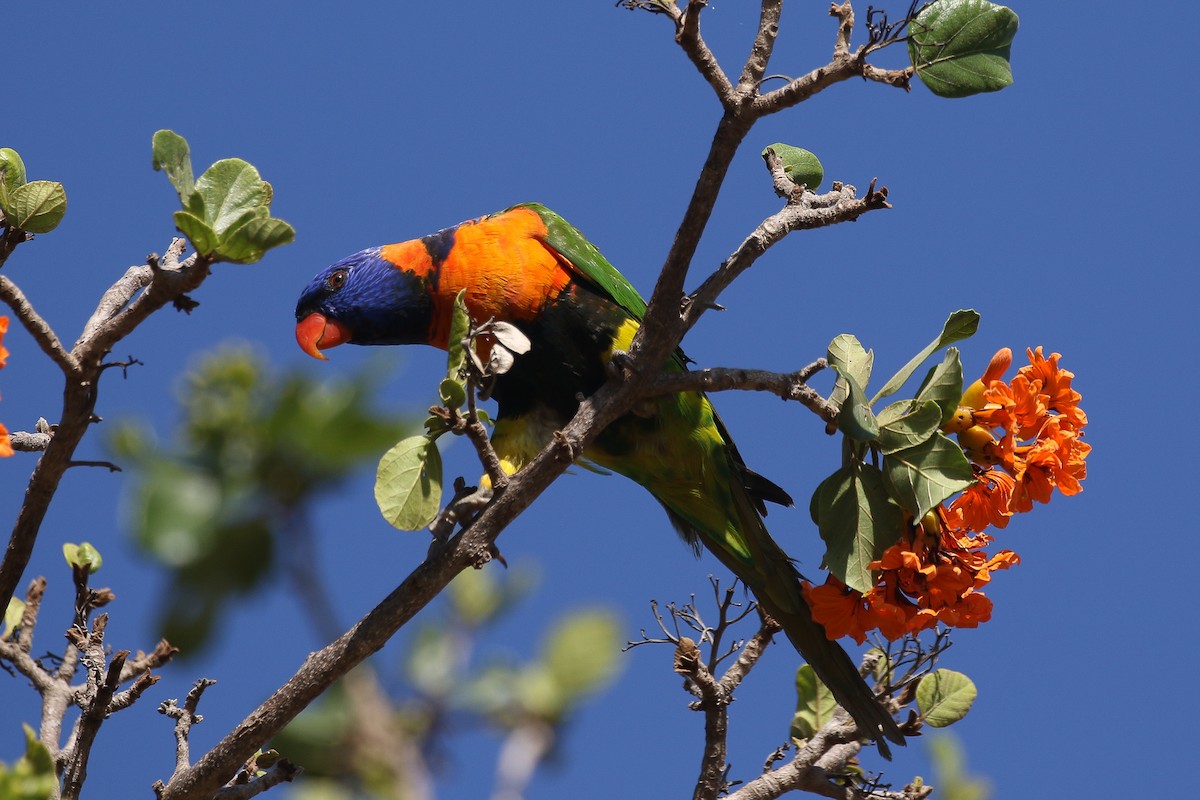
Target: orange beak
<point>316,332</point>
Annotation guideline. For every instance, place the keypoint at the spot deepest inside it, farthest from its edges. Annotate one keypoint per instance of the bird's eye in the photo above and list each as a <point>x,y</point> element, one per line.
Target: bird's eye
<point>336,279</point>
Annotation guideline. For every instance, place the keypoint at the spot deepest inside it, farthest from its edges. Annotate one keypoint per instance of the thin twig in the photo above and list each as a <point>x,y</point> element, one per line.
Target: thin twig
<point>38,328</point>
<point>837,206</point>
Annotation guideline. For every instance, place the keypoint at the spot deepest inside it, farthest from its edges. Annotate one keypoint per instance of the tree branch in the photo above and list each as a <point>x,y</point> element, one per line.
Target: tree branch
<point>166,284</point>
<point>788,386</point>
<point>844,65</point>
<point>715,705</point>
<point>764,44</point>
<point>834,207</point>
<point>687,34</point>
<point>12,296</point>
<point>660,333</point>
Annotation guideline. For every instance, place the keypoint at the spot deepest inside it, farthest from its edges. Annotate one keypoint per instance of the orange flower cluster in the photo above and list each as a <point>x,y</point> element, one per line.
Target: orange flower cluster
<point>5,444</point>
<point>1024,439</point>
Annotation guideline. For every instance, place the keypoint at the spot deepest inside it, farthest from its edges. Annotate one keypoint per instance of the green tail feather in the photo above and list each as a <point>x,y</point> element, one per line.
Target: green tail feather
<point>684,456</point>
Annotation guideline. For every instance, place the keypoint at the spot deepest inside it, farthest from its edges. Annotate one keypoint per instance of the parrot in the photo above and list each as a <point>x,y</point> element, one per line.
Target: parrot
<point>529,267</point>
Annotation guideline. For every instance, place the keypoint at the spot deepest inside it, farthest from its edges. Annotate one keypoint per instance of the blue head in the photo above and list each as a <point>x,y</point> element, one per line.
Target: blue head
<point>362,299</point>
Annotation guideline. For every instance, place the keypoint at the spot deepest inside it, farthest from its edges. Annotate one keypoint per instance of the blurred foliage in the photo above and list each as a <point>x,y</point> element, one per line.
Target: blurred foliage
<point>253,450</point>
<point>951,781</point>
<point>448,689</point>
<point>31,777</point>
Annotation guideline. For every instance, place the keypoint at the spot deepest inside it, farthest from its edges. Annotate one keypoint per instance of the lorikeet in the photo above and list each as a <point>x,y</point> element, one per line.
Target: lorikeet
<point>529,267</point>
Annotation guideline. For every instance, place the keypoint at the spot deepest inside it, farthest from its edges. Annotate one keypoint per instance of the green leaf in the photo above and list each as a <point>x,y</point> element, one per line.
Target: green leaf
<point>36,754</point>
<point>962,47</point>
<point>815,704</point>
<point>170,153</point>
<point>13,169</point>
<point>408,484</point>
<point>198,232</point>
<point>83,555</point>
<point>453,393</point>
<point>12,616</point>
<point>907,423</point>
<point>855,419</point>
<point>581,653</point>
<point>37,206</point>
<point>944,697</point>
<point>802,166</point>
<point>847,354</point>
<point>943,385</point>
<point>921,477</point>
<point>460,326</point>
<point>248,242</point>
<point>858,521</point>
<point>228,189</point>
<point>960,325</point>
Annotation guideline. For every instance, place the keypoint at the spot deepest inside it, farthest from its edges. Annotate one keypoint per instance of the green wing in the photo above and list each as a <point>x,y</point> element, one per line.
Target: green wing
<point>582,255</point>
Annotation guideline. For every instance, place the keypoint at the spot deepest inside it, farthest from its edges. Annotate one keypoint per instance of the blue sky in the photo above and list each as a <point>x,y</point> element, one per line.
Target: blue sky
<point>1056,208</point>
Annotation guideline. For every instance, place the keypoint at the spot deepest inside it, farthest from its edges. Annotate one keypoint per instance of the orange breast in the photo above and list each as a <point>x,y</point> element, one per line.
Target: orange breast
<point>508,272</point>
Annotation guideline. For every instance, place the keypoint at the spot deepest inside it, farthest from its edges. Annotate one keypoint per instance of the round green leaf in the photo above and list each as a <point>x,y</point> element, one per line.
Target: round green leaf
<point>37,206</point>
<point>408,484</point>
<point>907,423</point>
<point>944,697</point>
<point>961,47</point>
<point>921,477</point>
<point>12,167</point>
<point>227,190</point>
<point>802,166</point>
<point>452,392</point>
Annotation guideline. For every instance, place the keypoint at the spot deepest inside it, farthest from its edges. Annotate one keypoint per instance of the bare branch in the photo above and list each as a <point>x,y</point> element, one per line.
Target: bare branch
<point>166,283</point>
<point>282,771</point>
<point>133,281</point>
<point>836,206</point>
<point>749,656</point>
<point>789,386</point>
<point>687,34</point>
<point>95,700</point>
<point>25,442</point>
<point>760,53</point>
<point>38,328</point>
<point>10,238</point>
<point>715,705</point>
<point>144,662</point>
<point>845,64</point>
<point>184,719</point>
